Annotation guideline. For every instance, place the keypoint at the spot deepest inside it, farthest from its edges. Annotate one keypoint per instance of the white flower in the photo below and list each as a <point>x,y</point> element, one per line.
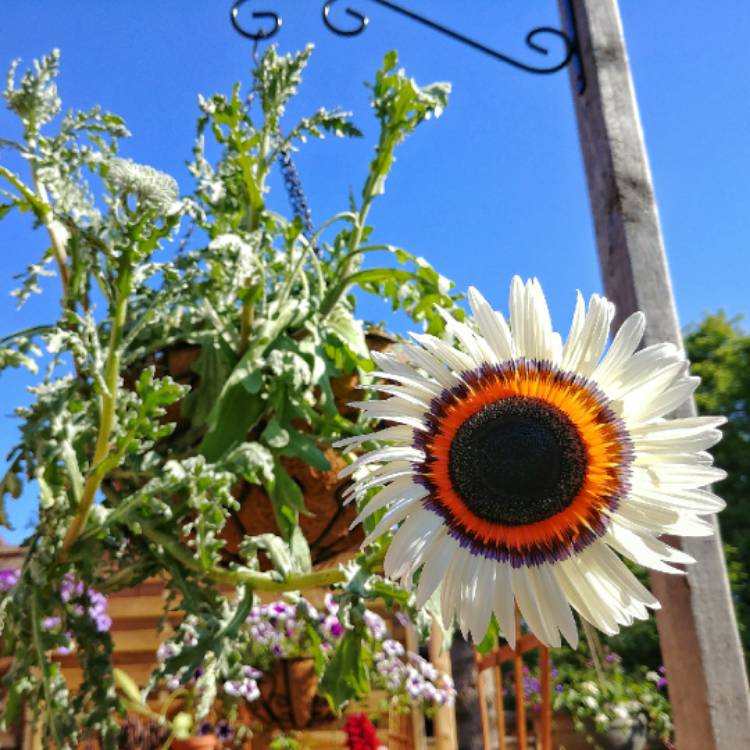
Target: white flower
<point>245,254</point>
<point>621,712</point>
<point>149,185</point>
<point>590,701</point>
<point>590,687</point>
<point>517,466</point>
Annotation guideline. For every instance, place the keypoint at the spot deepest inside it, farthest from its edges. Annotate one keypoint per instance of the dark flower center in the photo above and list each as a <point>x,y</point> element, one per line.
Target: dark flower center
<point>517,461</point>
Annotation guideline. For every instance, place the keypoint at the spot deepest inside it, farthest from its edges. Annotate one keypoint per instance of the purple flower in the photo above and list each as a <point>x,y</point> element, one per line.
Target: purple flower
<point>249,690</point>
<point>333,627</point>
<point>68,648</point>
<point>251,673</point>
<point>205,727</point>
<point>103,622</point>
<point>50,622</point>
<point>233,688</point>
<point>224,730</point>
<point>165,651</point>
<point>403,619</point>
<point>661,683</point>
<point>375,624</point>
<point>331,604</point>
<point>393,648</point>
<point>8,579</point>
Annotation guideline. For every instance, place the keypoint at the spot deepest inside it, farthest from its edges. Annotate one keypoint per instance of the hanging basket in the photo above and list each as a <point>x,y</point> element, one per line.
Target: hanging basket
<point>289,697</point>
<point>326,523</point>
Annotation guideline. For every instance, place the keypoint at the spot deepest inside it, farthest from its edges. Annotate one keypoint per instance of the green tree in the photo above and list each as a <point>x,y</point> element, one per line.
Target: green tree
<point>719,348</point>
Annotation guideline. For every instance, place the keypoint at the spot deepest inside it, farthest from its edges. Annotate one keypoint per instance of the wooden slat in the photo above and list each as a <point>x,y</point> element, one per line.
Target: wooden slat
<point>518,675</point>
<point>411,641</point>
<point>546,715</point>
<point>527,642</point>
<point>700,644</point>
<point>499,707</point>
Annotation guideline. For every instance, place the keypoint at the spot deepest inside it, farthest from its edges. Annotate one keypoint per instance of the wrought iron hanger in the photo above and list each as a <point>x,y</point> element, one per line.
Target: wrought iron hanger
<point>568,37</point>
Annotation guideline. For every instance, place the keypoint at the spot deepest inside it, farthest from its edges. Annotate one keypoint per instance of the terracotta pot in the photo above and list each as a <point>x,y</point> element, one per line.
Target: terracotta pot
<point>204,742</point>
<point>289,697</point>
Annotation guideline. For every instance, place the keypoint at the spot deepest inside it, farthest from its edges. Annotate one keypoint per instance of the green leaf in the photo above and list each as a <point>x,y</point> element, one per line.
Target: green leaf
<point>253,382</point>
<point>345,677</point>
<point>214,364</point>
<point>300,551</point>
<point>13,705</point>
<point>275,436</point>
<point>238,413</point>
<point>301,445</point>
<point>252,461</point>
<point>287,499</point>
<point>277,549</point>
<point>490,637</point>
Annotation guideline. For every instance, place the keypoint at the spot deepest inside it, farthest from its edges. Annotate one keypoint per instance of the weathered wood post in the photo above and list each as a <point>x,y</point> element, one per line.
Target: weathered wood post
<point>697,628</point>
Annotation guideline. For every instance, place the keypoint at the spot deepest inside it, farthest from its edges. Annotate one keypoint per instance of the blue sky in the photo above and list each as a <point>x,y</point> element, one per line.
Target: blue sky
<point>493,188</point>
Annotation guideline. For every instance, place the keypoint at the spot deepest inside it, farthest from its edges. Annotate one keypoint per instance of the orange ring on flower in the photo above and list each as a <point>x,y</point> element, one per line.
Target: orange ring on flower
<point>602,435</point>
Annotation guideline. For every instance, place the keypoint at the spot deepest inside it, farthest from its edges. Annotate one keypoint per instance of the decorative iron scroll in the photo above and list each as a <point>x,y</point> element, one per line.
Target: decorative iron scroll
<point>272,22</point>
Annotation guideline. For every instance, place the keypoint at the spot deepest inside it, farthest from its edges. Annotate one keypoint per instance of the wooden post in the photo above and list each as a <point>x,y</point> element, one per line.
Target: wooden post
<point>697,628</point>
<point>499,708</point>
<point>444,722</point>
<point>418,739</point>
<point>483,710</point>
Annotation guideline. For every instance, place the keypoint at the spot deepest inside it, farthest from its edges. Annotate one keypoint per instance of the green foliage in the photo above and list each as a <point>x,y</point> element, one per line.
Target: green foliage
<point>136,471</point>
<point>719,349</point>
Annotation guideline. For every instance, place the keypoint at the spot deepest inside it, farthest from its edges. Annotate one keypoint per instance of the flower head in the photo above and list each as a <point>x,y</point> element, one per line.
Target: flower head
<point>154,188</point>
<point>519,465</point>
<point>8,579</point>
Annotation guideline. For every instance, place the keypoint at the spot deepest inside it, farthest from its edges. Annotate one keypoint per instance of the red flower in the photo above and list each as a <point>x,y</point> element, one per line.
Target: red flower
<point>360,733</point>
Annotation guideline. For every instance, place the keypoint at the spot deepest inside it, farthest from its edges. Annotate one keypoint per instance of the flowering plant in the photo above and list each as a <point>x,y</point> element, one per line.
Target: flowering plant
<point>360,733</point>
<point>282,630</point>
<point>408,679</point>
<point>598,698</point>
<point>137,472</point>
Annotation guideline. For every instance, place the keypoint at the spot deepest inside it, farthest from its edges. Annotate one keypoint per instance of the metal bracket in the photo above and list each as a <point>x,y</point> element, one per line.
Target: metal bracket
<point>568,37</point>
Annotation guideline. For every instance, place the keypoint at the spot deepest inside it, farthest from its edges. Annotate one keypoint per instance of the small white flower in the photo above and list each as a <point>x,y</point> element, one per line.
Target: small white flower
<point>149,185</point>
<point>590,687</point>
<point>621,712</point>
<point>590,701</point>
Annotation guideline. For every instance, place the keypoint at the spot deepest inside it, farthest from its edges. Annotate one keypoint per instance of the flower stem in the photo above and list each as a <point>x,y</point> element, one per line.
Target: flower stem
<point>39,201</point>
<point>254,580</point>
<point>108,408</point>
